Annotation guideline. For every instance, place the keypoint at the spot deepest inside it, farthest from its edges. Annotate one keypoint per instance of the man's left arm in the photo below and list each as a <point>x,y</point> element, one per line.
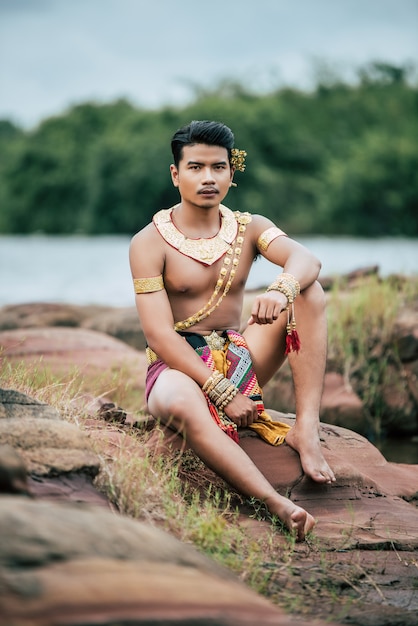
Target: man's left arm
<point>296,261</point>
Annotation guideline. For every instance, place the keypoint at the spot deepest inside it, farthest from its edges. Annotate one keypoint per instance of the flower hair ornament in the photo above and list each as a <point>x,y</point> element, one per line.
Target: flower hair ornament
<point>238,161</point>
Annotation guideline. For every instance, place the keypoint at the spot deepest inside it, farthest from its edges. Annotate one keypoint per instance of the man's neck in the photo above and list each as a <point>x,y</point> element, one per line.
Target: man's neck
<point>196,221</point>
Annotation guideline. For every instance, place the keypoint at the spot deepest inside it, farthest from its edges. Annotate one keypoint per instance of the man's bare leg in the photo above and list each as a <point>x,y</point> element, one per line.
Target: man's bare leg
<point>178,400</point>
<point>308,370</point>
<point>267,344</point>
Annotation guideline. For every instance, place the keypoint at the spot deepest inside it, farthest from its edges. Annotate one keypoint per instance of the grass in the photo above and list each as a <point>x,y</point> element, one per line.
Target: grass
<point>360,342</point>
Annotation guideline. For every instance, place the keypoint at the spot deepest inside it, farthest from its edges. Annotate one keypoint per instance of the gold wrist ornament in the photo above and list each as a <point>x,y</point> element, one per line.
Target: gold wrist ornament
<point>148,285</point>
<point>290,287</point>
<point>219,389</point>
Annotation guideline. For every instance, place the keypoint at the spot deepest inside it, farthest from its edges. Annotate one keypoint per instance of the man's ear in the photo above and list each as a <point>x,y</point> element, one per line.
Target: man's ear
<point>174,175</point>
<point>232,184</point>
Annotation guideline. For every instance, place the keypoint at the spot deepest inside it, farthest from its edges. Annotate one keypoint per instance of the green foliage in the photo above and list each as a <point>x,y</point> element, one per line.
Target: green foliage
<point>341,159</point>
<point>361,344</point>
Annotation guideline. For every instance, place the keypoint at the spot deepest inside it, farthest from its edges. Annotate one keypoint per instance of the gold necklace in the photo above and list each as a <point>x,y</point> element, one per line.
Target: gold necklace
<point>226,275</point>
<point>206,251</point>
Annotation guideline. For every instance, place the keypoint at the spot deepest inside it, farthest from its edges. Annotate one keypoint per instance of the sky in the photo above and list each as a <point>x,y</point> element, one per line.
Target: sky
<point>57,53</point>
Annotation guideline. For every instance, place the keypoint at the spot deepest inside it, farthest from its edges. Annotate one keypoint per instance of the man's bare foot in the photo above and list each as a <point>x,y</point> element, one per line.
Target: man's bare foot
<point>305,440</point>
<point>298,521</point>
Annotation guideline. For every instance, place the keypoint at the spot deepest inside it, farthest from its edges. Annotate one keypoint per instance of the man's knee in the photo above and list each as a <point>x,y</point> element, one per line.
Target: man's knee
<point>314,296</point>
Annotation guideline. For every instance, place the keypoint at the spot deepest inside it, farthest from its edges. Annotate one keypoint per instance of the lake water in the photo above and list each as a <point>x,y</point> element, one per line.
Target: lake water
<point>95,270</point>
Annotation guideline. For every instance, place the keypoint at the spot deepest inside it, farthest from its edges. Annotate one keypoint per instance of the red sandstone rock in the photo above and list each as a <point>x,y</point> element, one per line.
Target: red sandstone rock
<point>341,406</point>
<point>64,350</point>
<point>89,566</point>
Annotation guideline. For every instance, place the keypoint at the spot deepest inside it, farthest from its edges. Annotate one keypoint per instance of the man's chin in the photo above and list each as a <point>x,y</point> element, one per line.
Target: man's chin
<point>208,203</point>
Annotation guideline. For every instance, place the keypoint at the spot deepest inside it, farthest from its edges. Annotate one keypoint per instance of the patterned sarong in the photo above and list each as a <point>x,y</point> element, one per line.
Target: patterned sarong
<point>234,362</point>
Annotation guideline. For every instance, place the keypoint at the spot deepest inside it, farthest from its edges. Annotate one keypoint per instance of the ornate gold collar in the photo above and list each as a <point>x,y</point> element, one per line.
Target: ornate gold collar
<point>206,251</point>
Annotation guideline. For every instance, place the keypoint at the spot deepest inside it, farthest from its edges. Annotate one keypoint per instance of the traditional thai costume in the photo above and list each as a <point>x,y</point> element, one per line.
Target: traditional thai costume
<point>228,352</point>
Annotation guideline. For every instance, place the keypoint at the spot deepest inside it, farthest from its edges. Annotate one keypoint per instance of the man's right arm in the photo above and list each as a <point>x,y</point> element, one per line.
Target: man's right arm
<point>147,259</point>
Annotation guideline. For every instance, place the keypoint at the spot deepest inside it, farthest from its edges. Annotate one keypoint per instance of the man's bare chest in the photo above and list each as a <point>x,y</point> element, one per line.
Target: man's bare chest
<point>183,275</point>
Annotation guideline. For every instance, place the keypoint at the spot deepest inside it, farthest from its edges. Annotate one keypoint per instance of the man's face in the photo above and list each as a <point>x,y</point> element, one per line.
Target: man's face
<point>203,176</point>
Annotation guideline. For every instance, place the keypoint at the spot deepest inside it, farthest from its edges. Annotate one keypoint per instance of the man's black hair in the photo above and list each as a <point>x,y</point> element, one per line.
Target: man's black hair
<point>209,133</point>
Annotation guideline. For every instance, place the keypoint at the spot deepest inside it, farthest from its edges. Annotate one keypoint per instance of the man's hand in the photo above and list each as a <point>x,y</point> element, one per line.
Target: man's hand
<point>241,410</point>
<point>267,307</point>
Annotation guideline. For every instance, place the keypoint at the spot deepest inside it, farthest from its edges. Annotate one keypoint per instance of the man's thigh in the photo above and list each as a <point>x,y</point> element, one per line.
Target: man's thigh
<point>267,343</point>
<point>172,393</point>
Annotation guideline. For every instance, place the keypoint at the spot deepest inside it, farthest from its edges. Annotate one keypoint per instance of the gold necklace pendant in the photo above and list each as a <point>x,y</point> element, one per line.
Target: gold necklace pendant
<point>206,251</point>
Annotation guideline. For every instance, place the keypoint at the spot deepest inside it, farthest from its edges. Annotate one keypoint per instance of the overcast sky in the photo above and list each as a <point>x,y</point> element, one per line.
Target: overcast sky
<point>55,53</point>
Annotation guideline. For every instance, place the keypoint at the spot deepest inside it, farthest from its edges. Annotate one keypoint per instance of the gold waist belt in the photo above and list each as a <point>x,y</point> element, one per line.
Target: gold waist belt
<point>214,341</point>
<point>150,355</point>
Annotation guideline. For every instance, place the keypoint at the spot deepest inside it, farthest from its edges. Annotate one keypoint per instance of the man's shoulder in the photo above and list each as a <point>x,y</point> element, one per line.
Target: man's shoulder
<point>147,234</point>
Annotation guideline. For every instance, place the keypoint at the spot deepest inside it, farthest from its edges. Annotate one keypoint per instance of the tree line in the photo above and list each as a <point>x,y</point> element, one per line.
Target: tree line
<point>340,159</point>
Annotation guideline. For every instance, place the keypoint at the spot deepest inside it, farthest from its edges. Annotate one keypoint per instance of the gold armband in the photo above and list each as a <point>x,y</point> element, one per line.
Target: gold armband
<point>268,236</point>
<point>148,285</point>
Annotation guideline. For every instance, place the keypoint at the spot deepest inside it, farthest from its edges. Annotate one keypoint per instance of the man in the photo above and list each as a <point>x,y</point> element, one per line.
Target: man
<point>190,266</point>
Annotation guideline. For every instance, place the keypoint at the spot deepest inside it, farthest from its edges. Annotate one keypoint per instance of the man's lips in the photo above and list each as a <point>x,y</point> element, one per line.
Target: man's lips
<point>208,192</point>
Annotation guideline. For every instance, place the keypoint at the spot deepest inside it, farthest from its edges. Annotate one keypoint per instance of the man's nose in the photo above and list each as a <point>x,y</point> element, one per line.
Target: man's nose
<point>207,175</point>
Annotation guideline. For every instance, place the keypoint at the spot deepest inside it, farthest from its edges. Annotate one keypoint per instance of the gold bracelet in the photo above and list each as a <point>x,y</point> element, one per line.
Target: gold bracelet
<point>287,285</point>
<point>231,395</point>
<point>212,381</point>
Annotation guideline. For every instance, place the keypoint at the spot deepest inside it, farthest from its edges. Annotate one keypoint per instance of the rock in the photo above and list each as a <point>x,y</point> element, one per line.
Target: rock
<point>278,394</point>
<point>15,404</point>
<point>367,488</point>
<point>13,477</point>
<point>64,350</point>
<point>399,411</point>
<point>371,497</point>
<point>341,406</point>
<point>405,334</point>
<point>44,314</point>
<point>47,445</point>
<point>112,413</point>
<point>411,373</point>
<point>121,323</point>
<point>70,564</point>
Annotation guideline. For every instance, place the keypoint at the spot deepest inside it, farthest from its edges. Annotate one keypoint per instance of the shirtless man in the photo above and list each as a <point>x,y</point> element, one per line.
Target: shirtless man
<point>190,267</point>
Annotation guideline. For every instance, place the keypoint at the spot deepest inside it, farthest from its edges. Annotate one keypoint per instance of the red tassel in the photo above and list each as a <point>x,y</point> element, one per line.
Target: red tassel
<point>292,337</point>
<point>292,342</point>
